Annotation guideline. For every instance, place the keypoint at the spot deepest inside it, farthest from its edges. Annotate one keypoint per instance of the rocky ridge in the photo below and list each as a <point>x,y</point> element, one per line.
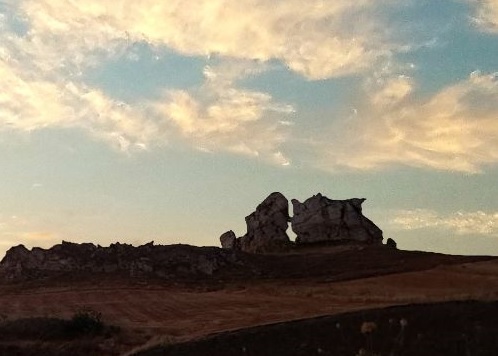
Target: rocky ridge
<point>176,261</point>
<point>316,220</point>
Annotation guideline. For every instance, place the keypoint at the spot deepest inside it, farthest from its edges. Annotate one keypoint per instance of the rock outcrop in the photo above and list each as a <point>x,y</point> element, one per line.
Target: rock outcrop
<point>228,240</point>
<point>320,219</point>
<point>266,227</point>
<point>175,261</point>
<point>391,244</point>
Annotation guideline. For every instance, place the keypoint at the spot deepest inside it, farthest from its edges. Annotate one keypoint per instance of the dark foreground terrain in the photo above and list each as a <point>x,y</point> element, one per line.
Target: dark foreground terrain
<point>249,304</point>
<point>452,328</point>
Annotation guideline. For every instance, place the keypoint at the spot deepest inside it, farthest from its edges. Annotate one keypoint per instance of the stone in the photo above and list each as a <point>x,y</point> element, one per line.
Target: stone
<point>228,240</point>
<point>391,244</point>
<point>320,219</point>
<point>14,262</point>
<point>267,226</point>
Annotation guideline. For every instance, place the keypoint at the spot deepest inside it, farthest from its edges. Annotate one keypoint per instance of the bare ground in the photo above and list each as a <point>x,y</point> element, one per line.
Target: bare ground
<point>299,285</point>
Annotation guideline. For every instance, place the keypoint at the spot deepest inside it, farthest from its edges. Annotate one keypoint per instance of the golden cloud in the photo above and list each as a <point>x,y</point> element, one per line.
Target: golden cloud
<point>486,16</point>
<point>456,129</point>
<point>462,223</point>
<point>220,116</point>
<point>311,37</point>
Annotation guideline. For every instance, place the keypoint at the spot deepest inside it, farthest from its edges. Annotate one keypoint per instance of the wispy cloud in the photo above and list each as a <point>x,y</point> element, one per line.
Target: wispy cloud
<point>312,38</point>
<point>42,68</point>
<point>456,129</point>
<point>462,223</point>
<point>218,116</point>
<point>34,103</point>
<point>486,14</point>
<point>43,64</point>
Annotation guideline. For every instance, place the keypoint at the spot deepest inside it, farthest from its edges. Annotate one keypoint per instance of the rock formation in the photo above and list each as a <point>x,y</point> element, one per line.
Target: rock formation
<point>320,219</point>
<point>391,244</point>
<point>228,240</point>
<point>20,263</point>
<point>266,227</point>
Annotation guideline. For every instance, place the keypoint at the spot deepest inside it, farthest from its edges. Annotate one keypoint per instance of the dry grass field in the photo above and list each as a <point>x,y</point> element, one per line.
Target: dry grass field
<point>151,310</point>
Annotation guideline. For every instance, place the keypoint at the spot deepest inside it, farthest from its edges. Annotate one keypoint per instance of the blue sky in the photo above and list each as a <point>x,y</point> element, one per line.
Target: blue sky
<point>138,121</point>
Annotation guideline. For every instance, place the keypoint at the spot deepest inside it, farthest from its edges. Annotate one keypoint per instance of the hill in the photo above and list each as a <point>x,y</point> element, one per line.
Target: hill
<point>254,289</point>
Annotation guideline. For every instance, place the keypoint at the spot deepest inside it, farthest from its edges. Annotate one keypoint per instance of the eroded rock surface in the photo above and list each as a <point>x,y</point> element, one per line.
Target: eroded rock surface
<point>228,240</point>
<point>267,226</point>
<point>320,219</point>
<point>20,263</point>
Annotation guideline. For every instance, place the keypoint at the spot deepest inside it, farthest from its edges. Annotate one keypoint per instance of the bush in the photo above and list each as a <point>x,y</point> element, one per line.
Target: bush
<point>86,321</point>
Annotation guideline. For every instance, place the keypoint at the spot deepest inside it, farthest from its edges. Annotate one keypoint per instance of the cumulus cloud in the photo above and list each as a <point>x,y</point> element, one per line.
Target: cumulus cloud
<point>462,223</point>
<point>456,129</point>
<point>486,14</point>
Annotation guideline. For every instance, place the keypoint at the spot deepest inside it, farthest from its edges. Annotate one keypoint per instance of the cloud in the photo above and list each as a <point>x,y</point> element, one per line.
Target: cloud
<point>315,38</point>
<point>462,223</point>
<point>34,103</point>
<point>218,116</point>
<point>35,186</point>
<point>456,129</point>
<point>486,14</point>
<point>124,126</point>
<point>42,68</point>
<point>391,91</point>
<point>30,103</point>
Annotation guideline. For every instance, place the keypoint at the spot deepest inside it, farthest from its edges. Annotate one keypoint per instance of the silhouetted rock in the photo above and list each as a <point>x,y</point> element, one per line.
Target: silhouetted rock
<point>228,240</point>
<point>164,261</point>
<point>391,243</point>
<point>267,226</point>
<point>317,220</point>
<point>320,219</point>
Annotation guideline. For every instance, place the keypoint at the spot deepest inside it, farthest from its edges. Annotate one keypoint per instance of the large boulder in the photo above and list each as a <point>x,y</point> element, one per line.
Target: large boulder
<point>320,219</point>
<point>267,226</point>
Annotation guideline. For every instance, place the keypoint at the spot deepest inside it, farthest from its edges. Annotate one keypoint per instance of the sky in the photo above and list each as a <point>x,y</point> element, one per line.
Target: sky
<point>170,121</point>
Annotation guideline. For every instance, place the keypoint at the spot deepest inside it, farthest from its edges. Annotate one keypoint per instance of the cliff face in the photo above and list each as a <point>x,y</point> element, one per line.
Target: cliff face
<point>162,261</point>
<point>318,219</point>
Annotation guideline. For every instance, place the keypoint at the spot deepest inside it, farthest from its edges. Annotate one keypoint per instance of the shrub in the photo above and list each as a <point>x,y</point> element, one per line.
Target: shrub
<point>86,321</point>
